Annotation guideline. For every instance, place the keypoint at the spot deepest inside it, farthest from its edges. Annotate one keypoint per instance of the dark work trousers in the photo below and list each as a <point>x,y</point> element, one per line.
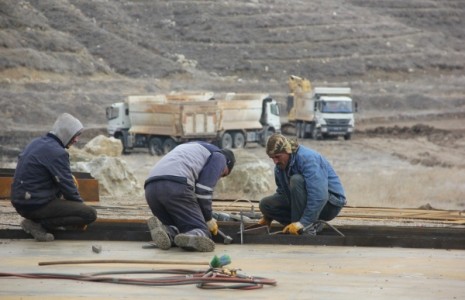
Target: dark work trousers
<point>285,211</point>
<point>60,212</point>
<point>175,204</point>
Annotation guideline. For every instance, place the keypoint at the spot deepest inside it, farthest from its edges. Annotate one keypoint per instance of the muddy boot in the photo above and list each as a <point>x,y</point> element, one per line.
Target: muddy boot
<point>37,231</point>
<point>194,242</point>
<point>159,233</point>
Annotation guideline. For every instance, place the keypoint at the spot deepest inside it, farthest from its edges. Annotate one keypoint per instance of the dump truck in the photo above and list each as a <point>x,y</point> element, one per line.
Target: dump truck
<point>161,122</point>
<point>319,112</point>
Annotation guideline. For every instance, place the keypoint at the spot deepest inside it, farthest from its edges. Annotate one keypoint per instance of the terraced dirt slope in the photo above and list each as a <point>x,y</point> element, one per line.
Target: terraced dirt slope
<point>404,61</point>
<point>396,55</point>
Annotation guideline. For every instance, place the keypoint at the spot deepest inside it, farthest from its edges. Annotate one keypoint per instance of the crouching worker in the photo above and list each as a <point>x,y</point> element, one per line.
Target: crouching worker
<point>179,192</point>
<point>308,188</point>
<point>44,191</point>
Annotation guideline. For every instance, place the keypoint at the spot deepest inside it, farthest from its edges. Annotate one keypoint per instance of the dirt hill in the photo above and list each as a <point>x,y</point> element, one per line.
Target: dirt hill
<point>80,55</point>
<point>404,61</point>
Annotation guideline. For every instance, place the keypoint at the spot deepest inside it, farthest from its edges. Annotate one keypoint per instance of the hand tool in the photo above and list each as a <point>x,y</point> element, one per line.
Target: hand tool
<point>227,239</point>
<point>255,230</point>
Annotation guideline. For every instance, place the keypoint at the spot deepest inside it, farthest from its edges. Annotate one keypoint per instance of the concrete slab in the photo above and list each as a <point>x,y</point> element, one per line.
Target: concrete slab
<point>302,272</point>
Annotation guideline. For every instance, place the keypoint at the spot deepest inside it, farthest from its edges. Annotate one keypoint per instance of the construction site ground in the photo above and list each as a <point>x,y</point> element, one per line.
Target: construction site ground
<point>406,177</point>
<point>301,272</point>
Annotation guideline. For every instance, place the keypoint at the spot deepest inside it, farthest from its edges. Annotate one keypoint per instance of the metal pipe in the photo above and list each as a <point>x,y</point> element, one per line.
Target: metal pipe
<point>120,261</point>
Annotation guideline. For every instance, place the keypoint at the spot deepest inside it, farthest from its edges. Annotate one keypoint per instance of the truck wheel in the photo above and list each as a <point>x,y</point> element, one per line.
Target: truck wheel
<point>306,127</point>
<point>347,137</point>
<point>316,134</point>
<point>226,141</point>
<point>302,131</point>
<point>155,146</point>
<point>268,132</point>
<point>168,145</point>
<point>125,150</point>
<point>298,128</point>
<point>238,140</point>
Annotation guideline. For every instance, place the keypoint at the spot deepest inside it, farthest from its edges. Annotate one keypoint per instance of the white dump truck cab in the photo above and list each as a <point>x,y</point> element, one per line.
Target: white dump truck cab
<point>333,113</point>
<point>270,114</point>
<point>118,118</point>
<point>119,123</point>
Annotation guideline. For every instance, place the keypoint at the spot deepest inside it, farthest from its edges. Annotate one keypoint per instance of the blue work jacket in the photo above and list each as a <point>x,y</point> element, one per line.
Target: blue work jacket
<point>320,180</point>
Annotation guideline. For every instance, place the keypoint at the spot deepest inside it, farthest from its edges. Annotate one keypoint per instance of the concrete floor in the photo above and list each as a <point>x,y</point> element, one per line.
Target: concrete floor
<point>302,272</point>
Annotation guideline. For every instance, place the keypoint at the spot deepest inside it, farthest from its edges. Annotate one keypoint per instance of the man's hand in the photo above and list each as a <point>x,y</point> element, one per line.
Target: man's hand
<point>293,228</point>
<point>212,226</point>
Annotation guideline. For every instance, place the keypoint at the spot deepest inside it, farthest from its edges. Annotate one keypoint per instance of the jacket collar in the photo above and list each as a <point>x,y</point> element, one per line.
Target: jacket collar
<point>292,160</point>
<point>55,138</point>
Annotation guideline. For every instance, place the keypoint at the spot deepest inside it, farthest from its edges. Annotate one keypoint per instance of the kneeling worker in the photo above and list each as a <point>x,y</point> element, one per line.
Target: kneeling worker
<point>44,190</point>
<point>179,191</point>
<point>308,188</point>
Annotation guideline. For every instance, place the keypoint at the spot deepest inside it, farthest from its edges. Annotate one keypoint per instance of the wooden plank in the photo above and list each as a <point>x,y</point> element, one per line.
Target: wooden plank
<point>5,187</point>
<point>88,188</point>
<point>386,213</point>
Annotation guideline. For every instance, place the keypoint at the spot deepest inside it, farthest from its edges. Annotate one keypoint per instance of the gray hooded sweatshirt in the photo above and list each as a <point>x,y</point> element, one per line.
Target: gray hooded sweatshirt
<point>66,127</point>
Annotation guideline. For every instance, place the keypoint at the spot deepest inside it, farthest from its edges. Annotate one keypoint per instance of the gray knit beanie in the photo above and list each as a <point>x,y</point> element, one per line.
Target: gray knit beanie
<point>66,127</point>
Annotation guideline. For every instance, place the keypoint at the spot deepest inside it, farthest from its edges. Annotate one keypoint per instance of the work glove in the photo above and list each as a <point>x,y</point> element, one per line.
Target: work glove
<point>293,228</point>
<point>212,226</point>
<point>76,183</point>
<point>265,221</point>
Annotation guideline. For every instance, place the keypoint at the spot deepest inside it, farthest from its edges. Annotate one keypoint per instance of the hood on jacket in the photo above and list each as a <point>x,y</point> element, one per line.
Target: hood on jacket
<point>66,127</point>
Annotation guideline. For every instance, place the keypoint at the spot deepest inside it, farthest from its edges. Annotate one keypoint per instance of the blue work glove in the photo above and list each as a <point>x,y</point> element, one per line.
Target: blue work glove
<point>293,228</point>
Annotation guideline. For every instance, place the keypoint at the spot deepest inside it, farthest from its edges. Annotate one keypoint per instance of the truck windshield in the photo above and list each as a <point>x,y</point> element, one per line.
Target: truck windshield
<point>274,109</point>
<point>336,107</point>
<point>112,112</point>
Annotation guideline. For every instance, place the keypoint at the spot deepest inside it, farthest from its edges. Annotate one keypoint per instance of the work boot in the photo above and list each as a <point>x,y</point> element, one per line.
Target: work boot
<point>265,221</point>
<point>158,233</point>
<point>194,242</point>
<point>37,231</point>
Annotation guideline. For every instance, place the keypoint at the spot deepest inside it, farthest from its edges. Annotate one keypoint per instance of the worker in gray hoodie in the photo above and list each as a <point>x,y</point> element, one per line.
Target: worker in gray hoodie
<point>44,191</point>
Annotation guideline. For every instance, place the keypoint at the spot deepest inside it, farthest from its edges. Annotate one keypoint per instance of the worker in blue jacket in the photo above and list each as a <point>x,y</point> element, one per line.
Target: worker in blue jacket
<point>44,190</point>
<point>308,188</point>
<point>179,192</point>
